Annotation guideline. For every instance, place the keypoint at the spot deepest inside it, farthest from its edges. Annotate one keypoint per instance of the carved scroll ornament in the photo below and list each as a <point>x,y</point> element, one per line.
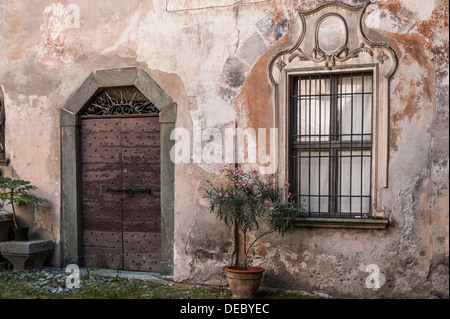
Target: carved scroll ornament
<point>330,35</point>
<point>330,59</point>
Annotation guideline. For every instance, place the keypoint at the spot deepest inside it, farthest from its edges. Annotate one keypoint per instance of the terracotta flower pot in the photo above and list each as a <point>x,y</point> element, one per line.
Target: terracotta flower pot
<point>244,284</point>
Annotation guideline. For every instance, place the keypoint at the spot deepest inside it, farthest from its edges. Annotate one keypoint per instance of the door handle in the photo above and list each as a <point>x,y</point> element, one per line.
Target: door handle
<point>106,188</point>
<point>130,190</point>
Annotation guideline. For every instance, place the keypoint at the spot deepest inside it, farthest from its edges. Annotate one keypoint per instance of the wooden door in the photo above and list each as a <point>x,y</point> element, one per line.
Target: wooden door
<point>121,193</point>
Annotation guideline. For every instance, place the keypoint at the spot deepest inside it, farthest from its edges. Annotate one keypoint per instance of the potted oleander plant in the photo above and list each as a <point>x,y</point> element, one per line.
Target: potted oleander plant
<point>18,192</point>
<point>246,200</point>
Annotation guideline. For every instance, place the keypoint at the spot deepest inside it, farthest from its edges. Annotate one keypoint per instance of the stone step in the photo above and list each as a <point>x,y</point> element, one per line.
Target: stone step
<point>27,255</point>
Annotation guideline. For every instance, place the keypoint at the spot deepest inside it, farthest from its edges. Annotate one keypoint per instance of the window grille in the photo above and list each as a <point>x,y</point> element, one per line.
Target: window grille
<point>331,143</point>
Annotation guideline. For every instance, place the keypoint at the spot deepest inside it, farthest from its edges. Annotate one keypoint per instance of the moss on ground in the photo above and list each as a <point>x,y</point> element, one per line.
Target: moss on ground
<point>42,285</point>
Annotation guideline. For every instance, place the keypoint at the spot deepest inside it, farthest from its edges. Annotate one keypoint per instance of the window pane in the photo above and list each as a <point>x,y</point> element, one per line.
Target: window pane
<point>325,118</point>
<point>313,179</point>
<point>296,123</point>
<point>355,108</point>
<point>345,86</point>
<point>368,83</point>
<point>318,119</point>
<point>304,86</point>
<point>357,84</point>
<point>345,117</point>
<point>367,121</point>
<point>314,115</point>
<point>357,116</point>
<point>325,86</point>
<point>314,120</point>
<point>354,181</point>
<point>304,119</point>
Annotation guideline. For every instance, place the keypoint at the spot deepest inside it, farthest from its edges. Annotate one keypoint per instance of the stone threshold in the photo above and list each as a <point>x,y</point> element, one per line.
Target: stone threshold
<point>140,275</point>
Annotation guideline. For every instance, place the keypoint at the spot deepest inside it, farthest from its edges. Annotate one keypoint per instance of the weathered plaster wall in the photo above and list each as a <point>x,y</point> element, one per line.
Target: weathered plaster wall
<point>212,58</point>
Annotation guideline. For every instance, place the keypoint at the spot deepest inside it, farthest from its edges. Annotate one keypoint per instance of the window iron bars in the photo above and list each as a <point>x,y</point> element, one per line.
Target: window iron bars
<point>331,143</point>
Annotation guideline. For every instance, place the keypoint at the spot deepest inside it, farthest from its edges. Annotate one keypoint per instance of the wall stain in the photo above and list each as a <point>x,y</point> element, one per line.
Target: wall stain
<point>415,92</point>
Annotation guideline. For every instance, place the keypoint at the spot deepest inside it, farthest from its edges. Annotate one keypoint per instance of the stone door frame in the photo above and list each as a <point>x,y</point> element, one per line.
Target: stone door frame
<point>71,193</point>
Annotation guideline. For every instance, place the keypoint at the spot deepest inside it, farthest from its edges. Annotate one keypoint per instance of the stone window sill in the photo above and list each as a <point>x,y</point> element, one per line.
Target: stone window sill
<point>358,223</point>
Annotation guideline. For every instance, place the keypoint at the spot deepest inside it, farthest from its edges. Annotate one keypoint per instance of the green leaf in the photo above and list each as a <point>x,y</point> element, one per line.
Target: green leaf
<point>16,191</point>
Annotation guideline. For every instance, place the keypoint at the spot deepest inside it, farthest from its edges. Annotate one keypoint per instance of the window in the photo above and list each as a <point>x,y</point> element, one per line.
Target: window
<point>332,112</point>
<point>330,145</point>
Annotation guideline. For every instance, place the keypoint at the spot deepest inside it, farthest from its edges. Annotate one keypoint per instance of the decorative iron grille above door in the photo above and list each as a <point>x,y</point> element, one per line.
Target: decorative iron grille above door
<point>120,101</point>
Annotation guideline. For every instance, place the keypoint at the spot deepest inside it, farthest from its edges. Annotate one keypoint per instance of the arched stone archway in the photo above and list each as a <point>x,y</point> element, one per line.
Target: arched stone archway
<point>71,209</point>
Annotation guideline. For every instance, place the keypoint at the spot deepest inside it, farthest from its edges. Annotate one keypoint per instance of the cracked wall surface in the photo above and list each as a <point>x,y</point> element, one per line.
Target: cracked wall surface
<point>212,58</point>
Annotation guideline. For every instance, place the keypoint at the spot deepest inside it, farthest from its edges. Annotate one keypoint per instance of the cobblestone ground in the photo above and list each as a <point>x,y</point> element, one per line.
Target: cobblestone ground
<point>50,280</point>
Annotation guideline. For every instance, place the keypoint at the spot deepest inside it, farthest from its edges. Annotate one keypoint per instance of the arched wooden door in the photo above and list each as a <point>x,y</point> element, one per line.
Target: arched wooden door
<point>120,167</point>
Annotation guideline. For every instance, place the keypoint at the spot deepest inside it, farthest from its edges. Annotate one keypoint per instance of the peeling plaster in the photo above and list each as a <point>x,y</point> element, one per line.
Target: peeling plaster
<point>213,61</point>
<point>52,45</point>
<point>127,34</point>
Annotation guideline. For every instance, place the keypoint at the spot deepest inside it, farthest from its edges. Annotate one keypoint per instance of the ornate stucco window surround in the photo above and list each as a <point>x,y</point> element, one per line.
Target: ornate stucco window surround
<point>332,41</point>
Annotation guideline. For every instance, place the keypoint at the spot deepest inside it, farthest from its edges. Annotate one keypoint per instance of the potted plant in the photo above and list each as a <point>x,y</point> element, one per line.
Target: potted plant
<point>16,191</point>
<point>244,200</point>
